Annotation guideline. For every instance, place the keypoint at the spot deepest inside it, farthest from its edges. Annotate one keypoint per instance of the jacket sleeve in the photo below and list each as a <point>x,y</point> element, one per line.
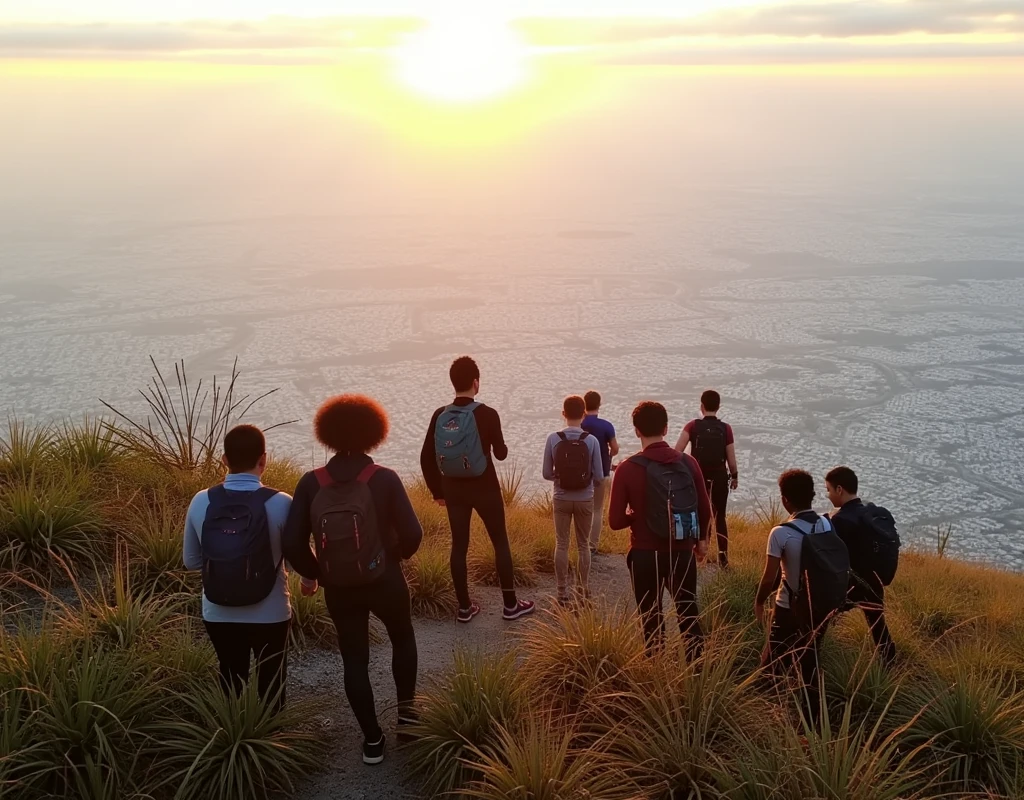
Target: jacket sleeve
<point>548,467</point>
<point>596,463</point>
<point>705,516</point>
<point>297,529</point>
<point>498,446</point>
<point>403,517</point>
<point>618,515</point>
<point>191,549</point>
<point>428,461</point>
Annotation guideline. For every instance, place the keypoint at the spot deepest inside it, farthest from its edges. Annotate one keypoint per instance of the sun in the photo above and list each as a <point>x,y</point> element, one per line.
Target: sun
<point>462,59</point>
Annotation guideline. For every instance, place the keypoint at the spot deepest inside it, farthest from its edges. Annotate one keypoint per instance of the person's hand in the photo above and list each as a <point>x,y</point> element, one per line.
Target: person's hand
<point>308,587</point>
<point>734,484</point>
<point>759,613</point>
<point>439,501</point>
<point>702,550</point>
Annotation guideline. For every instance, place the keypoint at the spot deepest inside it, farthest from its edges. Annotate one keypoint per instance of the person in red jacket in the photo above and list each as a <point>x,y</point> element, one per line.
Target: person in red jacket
<point>657,560</point>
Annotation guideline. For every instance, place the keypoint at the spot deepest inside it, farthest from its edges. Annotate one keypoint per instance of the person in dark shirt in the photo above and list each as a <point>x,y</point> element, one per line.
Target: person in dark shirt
<point>712,443</point>
<point>352,426</point>
<point>655,561</point>
<point>482,493</point>
<point>604,432</point>
<point>866,590</point>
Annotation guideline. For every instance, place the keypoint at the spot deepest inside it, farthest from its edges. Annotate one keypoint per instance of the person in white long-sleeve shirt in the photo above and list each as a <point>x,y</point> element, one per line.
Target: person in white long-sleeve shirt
<point>260,629</point>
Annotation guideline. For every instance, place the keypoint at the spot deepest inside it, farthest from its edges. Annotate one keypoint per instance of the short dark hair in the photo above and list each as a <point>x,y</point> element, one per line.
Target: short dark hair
<point>573,407</point>
<point>244,445</point>
<point>843,478</point>
<point>463,372</point>
<point>593,400</point>
<point>650,418</point>
<point>797,486</point>
<point>711,400</point>
<point>351,423</point>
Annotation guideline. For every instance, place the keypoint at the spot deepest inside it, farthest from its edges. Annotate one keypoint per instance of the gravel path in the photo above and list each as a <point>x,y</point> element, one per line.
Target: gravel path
<point>318,674</point>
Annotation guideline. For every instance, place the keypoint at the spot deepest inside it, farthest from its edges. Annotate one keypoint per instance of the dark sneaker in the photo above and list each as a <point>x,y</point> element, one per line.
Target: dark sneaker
<point>521,609</point>
<point>373,752</point>
<point>467,614</point>
<point>405,720</point>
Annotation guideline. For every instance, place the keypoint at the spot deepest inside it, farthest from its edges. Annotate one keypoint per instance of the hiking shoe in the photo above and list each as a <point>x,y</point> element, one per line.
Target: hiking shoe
<point>467,614</point>
<point>373,752</point>
<point>520,609</point>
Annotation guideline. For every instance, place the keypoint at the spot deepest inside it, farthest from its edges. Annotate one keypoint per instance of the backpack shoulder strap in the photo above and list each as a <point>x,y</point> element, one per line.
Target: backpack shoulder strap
<point>323,477</point>
<point>640,460</point>
<point>796,528</point>
<point>562,436</point>
<point>469,407</point>
<point>367,472</point>
<point>217,494</point>
<point>264,493</point>
<point>583,436</point>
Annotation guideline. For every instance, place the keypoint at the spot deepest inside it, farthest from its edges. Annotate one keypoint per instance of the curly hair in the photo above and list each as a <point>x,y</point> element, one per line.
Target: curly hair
<point>351,423</point>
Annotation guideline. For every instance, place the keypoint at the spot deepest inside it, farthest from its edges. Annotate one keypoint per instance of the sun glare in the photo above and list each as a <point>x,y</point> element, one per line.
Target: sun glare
<point>462,59</point>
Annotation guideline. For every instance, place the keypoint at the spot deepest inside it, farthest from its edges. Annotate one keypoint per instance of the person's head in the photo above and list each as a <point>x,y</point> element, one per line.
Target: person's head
<point>245,450</point>
<point>710,402</point>
<point>351,424</point>
<point>841,486</point>
<point>797,489</point>
<point>465,375</point>
<point>593,401</point>
<point>574,408</point>
<point>650,421</point>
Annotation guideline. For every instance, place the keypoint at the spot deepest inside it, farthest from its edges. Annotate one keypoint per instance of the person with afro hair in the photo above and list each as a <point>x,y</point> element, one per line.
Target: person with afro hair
<point>352,426</point>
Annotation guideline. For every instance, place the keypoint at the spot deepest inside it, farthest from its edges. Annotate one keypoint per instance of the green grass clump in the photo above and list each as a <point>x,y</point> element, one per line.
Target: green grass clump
<point>25,450</point>
<point>430,583</point>
<point>89,445</point>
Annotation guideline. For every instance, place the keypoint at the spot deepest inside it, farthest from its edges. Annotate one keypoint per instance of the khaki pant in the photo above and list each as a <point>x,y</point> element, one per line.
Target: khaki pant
<point>598,523</point>
<point>571,514</point>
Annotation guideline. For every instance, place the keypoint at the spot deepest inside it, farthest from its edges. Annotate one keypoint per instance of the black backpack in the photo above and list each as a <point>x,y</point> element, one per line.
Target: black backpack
<point>824,575</point>
<point>707,444</point>
<point>572,462</point>
<point>349,547</point>
<point>670,493</point>
<point>238,560</point>
<point>883,546</point>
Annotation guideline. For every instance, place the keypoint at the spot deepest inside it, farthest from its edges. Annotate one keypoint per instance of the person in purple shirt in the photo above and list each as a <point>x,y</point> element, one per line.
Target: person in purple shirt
<point>604,432</point>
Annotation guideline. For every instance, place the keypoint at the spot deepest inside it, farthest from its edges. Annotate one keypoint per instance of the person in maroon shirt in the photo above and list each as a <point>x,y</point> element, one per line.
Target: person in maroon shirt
<point>656,561</point>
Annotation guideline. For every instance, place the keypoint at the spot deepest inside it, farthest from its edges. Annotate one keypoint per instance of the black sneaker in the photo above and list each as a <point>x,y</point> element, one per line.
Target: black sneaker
<point>467,614</point>
<point>520,609</point>
<point>405,720</point>
<point>373,752</point>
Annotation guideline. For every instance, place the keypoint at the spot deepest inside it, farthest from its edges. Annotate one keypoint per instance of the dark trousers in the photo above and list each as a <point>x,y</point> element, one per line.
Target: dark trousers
<point>718,489</point>
<point>792,650</point>
<point>491,508</point>
<point>870,598</point>
<point>651,572</point>
<point>387,598</point>
<point>236,642</point>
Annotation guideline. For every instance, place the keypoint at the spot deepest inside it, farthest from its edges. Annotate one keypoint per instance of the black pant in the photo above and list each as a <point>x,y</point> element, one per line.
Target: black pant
<point>651,572</point>
<point>718,489</point>
<point>235,641</point>
<point>387,598</point>
<point>870,598</point>
<point>792,649</point>
<point>491,508</point>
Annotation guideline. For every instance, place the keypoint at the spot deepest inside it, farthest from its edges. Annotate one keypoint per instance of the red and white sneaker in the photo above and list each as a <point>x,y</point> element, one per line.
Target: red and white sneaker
<point>467,614</point>
<point>521,609</point>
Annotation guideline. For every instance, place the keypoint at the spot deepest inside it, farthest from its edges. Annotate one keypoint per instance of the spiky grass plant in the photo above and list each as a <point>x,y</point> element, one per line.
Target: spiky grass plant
<point>430,583</point>
<point>46,522</point>
<point>153,527</point>
<point>230,745</point>
<point>855,678</point>
<point>25,450</point>
<point>510,477</point>
<point>88,445</point>
<point>465,709</point>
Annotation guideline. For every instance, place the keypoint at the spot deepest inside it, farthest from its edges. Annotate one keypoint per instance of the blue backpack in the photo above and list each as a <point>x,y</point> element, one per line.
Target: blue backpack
<point>457,445</point>
<point>238,561</point>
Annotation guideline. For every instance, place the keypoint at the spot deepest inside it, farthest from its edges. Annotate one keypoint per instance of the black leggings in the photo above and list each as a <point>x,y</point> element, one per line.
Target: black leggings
<point>651,572</point>
<point>792,649</point>
<point>491,508</point>
<point>718,490</point>
<point>236,642</point>
<point>387,599</point>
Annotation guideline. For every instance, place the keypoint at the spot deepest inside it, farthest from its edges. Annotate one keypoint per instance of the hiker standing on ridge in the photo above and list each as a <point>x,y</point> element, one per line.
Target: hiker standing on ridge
<point>869,532</point>
<point>604,432</point>
<point>363,526</point>
<point>233,534</point>
<point>659,495</point>
<point>572,459</point>
<point>457,465</point>
<point>713,445</point>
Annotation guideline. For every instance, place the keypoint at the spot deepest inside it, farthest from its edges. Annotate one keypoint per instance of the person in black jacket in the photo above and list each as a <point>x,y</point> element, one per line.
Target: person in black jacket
<point>352,426</point>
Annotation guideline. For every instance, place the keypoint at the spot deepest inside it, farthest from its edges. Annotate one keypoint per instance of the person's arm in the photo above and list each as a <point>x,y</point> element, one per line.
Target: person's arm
<point>684,437</point>
<point>767,585</point>
<point>403,517</point>
<point>191,547</point>
<point>428,461</point>
<point>498,446</point>
<point>705,514</point>
<point>548,467</point>
<point>297,529</point>
<point>596,462</point>
<point>619,516</point>
<point>730,457</point>
<point>613,447</point>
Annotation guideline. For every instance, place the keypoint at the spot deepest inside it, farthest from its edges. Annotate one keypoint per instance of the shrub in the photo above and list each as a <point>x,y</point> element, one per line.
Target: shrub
<point>46,522</point>
<point>230,745</point>
<point>88,445</point>
<point>25,451</point>
<point>858,679</point>
<point>153,529</point>
<point>430,583</point>
<point>465,709</point>
<point>510,477</point>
